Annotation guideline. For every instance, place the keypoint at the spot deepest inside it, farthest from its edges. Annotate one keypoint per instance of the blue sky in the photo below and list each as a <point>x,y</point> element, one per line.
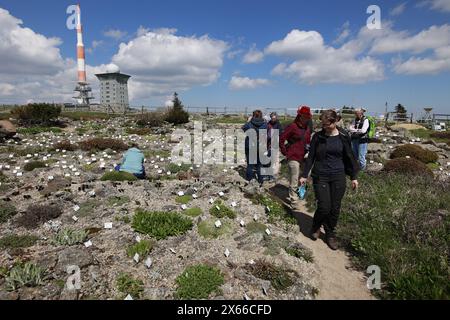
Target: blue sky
<point>209,41</point>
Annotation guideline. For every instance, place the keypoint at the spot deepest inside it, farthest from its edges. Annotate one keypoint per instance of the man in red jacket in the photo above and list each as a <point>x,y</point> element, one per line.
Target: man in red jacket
<point>298,136</point>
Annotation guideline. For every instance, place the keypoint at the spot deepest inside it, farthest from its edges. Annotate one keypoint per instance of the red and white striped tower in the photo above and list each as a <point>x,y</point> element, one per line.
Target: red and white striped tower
<point>84,92</point>
<point>81,57</point>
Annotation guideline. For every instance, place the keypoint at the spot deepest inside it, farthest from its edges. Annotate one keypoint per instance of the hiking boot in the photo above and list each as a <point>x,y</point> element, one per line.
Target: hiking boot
<point>315,235</point>
<point>332,243</point>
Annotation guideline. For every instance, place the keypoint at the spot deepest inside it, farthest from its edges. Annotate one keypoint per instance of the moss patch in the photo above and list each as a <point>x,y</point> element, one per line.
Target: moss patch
<point>193,212</point>
<point>280,278</point>
<point>127,285</point>
<point>15,241</point>
<point>143,248</point>
<point>184,199</point>
<point>161,225</point>
<point>30,166</point>
<point>220,210</point>
<point>118,176</point>
<point>199,282</point>
<point>275,211</point>
<point>7,211</point>
<point>208,230</point>
<point>118,201</point>
<point>256,227</point>
<point>300,252</point>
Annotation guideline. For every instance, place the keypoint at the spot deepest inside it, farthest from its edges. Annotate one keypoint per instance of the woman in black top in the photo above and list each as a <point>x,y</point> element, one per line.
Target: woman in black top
<point>331,159</point>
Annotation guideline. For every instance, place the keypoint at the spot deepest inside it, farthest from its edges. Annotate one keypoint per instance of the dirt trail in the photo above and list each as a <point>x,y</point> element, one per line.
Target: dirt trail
<point>337,280</point>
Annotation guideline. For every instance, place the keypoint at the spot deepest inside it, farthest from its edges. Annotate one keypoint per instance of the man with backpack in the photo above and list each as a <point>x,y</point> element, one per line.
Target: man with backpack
<point>298,136</point>
<point>252,146</point>
<point>361,130</point>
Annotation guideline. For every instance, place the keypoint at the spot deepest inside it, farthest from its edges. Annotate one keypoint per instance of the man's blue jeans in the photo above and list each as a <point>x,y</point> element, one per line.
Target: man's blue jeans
<point>250,174</point>
<point>360,151</point>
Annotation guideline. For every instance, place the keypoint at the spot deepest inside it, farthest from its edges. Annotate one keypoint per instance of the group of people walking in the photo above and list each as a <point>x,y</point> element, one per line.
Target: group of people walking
<point>328,156</point>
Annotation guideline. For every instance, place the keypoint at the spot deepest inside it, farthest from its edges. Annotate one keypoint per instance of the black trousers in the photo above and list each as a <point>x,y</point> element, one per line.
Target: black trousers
<point>329,191</point>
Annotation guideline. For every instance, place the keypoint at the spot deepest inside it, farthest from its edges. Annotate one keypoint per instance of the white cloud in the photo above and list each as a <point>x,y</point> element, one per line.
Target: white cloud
<point>315,62</point>
<point>35,69</point>
<point>143,30</point>
<point>253,56</point>
<point>22,51</point>
<point>233,54</point>
<point>398,10</point>
<point>96,44</point>
<point>161,63</point>
<point>344,33</point>
<point>115,34</point>
<point>242,83</point>
<point>297,44</point>
<point>439,5</point>
<point>432,38</point>
<point>437,63</point>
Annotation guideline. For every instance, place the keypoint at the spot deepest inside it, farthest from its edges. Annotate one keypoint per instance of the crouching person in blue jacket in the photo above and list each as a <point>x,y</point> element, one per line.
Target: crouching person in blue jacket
<point>133,162</point>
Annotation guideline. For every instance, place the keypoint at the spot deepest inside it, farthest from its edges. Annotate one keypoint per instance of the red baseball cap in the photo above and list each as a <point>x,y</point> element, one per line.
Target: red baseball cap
<point>305,111</point>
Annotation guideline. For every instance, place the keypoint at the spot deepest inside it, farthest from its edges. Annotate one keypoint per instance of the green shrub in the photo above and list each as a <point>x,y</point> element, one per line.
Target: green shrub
<point>24,275</point>
<point>118,176</point>
<point>30,166</point>
<point>176,114</point>
<point>300,252</point>
<point>193,212</point>
<point>153,153</point>
<point>102,144</point>
<point>199,282</point>
<point>66,145</point>
<point>208,230</point>
<point>280,278</point>
<point>184,199</point>
<point>400,225</point>
<point>37,130</point>
<point>143,248</point>
<point>128,285</point>
<point>445,135</point>
<point>3,178</point>
<point>274,245</point>
<point>220,210</point>
<point>256,227</point>
<point>161,225</point>
<point>87,208</point>
<point>36,215</point>
<point>7,211</point>
<point>69,237</point>
<point>139,131</point>
<point>408,166</point>
<point>415,152</point>
<point>86,116</point>
<point>36,113</point>
<point>81,131</point>
<point>15,241</point>
<point>26,151</point>
<point>275,210</point>
<point>118,201</point>
<point>174,168</point>
<point>151,119</point>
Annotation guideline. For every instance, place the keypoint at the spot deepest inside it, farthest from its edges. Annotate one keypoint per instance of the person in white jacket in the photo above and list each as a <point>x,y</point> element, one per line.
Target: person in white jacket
<point>359,130</point>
